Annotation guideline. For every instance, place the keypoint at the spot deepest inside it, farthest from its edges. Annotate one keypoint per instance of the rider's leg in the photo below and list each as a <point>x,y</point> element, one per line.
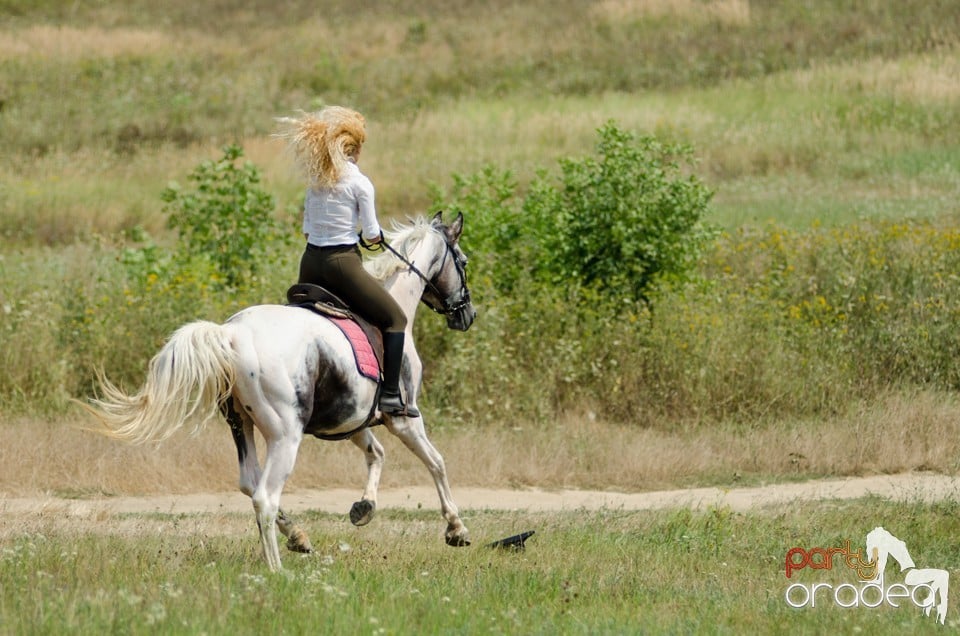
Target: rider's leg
<point>390,401</point>
<point>341,271</point>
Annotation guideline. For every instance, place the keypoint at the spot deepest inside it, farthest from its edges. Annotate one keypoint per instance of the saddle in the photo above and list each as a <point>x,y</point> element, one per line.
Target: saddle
<point>364,337</point>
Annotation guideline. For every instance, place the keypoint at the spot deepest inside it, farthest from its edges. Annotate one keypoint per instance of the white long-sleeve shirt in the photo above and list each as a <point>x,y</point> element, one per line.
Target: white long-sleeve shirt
<point>331,215</point>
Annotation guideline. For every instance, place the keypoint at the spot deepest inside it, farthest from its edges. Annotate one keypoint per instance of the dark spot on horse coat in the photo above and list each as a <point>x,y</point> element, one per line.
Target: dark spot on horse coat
<point>328,403</point>
<point>236,427</point>
<point>303,401</point>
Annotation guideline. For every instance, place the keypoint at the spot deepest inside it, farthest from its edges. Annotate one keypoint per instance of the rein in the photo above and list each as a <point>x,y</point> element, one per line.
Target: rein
<point>447,308</point>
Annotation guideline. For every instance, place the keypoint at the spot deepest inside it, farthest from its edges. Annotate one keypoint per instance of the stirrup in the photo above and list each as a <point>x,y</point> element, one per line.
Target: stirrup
<point>393,405</point>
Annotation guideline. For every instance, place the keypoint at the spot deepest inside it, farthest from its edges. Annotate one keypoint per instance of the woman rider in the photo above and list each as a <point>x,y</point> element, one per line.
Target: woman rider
<point>340,198</point>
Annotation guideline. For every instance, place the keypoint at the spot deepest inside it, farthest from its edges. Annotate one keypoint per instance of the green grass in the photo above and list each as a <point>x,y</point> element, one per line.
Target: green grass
<point>610,572</point>
<point>147,91</point>
<point>843,117</point>
<point>795,147</point>
<point>829,130</point>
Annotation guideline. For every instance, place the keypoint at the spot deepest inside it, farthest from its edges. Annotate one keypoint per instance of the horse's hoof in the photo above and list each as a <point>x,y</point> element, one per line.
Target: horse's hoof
<point>457,541</point>
<point>299,542</point>
<point>295,546</point>
<point>361,513</point>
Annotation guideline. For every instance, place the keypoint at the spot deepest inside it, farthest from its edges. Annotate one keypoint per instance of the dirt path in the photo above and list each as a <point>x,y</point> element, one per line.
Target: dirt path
<point>909,486</point>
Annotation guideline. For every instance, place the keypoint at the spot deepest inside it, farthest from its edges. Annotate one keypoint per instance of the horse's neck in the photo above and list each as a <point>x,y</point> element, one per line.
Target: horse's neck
<point>405,286</point>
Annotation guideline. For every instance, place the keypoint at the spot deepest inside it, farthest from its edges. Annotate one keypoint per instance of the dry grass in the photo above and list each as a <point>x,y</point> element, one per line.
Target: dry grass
<point>901,433</point>
<point>934,77</point>
<point>765,128</point>
<point>70,43</point>
<point>100,192</point>
<point>520,135</point>
<point>94,192</point>
<point>734,12</point>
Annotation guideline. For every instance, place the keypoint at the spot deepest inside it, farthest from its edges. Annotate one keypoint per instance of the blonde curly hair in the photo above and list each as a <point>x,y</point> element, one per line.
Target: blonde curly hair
<point>323,142</point>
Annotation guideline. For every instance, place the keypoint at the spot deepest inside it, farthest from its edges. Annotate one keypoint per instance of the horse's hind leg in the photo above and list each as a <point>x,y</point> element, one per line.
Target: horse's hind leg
<point>297,539</point>
<point>362,511</point>
<point>281,456</point>
<point>241,427</point>
<point>412,434</point>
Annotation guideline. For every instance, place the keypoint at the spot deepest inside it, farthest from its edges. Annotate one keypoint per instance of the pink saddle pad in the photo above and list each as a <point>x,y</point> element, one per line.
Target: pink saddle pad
<point>366,359</point>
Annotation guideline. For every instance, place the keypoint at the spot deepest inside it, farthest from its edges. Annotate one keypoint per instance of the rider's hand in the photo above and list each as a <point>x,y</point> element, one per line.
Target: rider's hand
<point>369,244</point>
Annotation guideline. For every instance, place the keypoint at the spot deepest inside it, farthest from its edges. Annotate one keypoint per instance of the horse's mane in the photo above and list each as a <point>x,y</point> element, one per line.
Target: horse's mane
<point>401,238</point>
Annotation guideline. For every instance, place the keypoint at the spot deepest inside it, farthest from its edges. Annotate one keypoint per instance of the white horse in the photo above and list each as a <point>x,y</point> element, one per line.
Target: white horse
<point>288,371</point>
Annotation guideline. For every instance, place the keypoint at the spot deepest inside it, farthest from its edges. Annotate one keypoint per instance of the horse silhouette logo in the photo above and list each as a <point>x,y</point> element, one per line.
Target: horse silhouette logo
<point>925,588</point>
<point>881,546</point>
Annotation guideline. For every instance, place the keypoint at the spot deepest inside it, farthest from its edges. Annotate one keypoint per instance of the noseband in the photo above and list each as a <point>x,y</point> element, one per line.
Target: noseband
<point>449,305</point>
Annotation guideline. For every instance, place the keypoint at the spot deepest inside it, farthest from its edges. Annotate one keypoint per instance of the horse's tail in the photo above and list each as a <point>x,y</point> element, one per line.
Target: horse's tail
<point>188,379</point>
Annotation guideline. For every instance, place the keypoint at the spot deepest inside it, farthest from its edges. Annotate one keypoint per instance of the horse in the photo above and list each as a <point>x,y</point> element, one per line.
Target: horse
<point>288,371</point>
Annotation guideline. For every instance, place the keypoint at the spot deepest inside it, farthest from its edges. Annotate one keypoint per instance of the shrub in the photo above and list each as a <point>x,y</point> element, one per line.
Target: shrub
<point>227,218</point>
<point>623,220</point>
<point>497,236</point>
<point>610,228</point>
<point>233,253</point>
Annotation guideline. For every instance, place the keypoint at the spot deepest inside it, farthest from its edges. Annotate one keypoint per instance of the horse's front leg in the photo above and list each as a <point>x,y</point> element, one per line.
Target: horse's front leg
<point>411,432</point>
<point>361,513</point>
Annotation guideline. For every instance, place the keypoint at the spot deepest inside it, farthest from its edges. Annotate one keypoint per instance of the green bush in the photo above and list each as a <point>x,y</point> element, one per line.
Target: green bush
<point>609,229</point>
<point>498,237</point>
<point>233,253</point>
<point>565,276</point>
<point>623,220</point>
<point>227,218</point>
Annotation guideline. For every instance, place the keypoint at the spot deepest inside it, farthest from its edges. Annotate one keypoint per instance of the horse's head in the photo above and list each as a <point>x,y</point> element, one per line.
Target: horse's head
<point>446,292</point>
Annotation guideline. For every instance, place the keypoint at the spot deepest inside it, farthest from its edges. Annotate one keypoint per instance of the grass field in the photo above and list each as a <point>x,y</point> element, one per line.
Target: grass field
<point>819,338</point>
<point>844,107</point>
<point>611,572</point>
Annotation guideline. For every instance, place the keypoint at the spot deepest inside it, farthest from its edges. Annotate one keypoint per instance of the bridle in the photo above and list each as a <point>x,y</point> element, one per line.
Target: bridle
<point>450,304</point>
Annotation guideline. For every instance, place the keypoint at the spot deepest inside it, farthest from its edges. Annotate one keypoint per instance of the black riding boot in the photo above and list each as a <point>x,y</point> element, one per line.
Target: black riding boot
<point>390,401</point>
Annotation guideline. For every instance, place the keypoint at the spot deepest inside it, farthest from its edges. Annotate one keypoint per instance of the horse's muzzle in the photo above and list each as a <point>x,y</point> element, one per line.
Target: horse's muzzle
<point>462,318</point>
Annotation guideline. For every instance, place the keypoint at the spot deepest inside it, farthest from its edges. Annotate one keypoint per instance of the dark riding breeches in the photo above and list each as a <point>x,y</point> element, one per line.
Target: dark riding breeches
<point>339,268</point>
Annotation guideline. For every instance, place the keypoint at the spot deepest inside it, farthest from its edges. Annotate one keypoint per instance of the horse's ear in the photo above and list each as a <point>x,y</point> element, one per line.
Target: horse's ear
<point>437,219</point>
<point>456,228</point>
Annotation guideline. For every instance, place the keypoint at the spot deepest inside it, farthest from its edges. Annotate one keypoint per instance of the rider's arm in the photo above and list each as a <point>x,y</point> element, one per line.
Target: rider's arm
<point>369,226</point>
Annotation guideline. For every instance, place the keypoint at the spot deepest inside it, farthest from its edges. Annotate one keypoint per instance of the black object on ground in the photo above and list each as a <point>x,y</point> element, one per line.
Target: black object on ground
<point>516,542</point>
